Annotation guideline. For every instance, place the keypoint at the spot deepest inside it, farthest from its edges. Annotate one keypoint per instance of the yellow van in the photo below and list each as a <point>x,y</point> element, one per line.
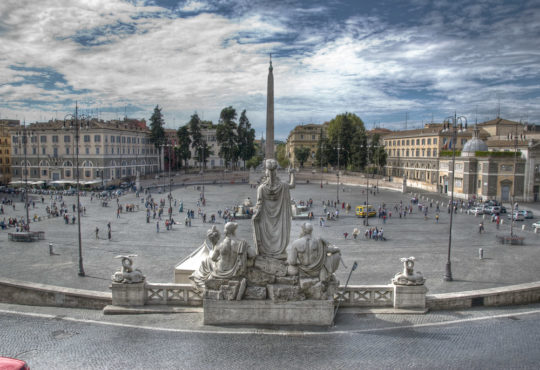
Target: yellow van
<point>361,211</point>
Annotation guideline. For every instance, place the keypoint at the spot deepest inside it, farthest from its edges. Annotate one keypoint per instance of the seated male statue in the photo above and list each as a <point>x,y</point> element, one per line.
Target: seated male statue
<point>309,257</point>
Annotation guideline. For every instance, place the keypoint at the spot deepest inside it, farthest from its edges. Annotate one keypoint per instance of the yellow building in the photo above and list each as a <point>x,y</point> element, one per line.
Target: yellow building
<point>305,136</point>
<point>5,149</point>
<point>414,154</point>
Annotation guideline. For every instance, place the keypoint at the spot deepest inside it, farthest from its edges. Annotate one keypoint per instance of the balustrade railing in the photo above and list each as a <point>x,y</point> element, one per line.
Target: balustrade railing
<point>171,294</point>
<point>370,295</point>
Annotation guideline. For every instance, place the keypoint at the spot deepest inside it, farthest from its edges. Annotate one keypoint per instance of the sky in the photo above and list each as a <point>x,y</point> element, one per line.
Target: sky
<point>390,62</point>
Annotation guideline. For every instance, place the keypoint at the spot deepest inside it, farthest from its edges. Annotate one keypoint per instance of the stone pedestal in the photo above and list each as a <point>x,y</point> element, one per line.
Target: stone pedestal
<point>266,312</point>
<point>410,296</point>
<point>124,294</point>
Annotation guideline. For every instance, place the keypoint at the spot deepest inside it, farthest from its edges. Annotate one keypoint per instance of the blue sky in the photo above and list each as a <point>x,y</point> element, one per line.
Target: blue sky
<point>383,60</point>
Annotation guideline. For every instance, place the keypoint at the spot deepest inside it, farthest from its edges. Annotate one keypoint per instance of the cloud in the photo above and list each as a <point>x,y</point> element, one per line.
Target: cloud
<point>328,58</point>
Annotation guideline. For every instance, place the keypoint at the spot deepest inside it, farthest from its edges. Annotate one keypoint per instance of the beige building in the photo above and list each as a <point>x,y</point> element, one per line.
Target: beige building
<point>108,151</point>
<point>305,136</point>
<point>5,149</point>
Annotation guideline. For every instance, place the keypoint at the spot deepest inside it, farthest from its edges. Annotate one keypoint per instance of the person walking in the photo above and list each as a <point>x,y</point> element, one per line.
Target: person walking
<point>97,233</point>
<point>157,226</point>
<point>437,218</point>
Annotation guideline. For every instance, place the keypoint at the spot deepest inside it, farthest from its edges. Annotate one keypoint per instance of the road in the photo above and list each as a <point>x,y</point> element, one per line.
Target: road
<point>53,338</point>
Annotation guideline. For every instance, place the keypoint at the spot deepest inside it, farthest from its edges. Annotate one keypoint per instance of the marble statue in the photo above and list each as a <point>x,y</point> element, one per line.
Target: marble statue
<point>127,273</point>
<point>272,213</point>
<point>408,276</point>
<point>312,257</point>
<point>231,255</point>
<point>207,265</point>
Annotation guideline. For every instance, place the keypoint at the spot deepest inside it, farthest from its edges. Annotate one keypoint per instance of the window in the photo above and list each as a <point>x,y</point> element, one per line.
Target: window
<point>423,152</point>
<point>14,139</point>
<point>67,150</point>
<point>312,137</point>
<point>34,150</point>
<point>68,173</point>
<point>434,140</point>
<point>129,140</point>
<point>429,141</point>
<point>97,150</point>
<point>55,138</point>
<point>87,173</point>
<point>86,138</point>
<point>418,152</point>
<point>407,142</point>
<point>67,138</point>
<point>15,151</point>
<point>33,139</point>
<point>87,150</point>
<point>407,152</point>
<point>123,139</point>
<point>423,141</point>
<point>417,141</point>
<point>43,150</point>
<point>43,139</point>
<point>55,152</point>
<point>429,152</point>
<point>402,142</point>
<point>112,139</point>
<point>97,138</point>
<point>479,184</point>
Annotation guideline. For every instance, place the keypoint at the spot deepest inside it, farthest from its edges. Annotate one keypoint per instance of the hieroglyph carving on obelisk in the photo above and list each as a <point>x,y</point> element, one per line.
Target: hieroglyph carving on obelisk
<point>269,149</point>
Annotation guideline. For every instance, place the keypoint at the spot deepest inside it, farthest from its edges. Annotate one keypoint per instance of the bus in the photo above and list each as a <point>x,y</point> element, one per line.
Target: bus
<point>361,211</point>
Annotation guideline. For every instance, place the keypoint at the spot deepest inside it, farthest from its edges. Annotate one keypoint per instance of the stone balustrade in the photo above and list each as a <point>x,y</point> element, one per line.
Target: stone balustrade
<point>171,294</point>
<point>366,296</point>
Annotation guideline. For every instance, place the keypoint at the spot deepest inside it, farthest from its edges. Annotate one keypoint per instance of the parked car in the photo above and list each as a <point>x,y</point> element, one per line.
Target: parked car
<point>503,209</point>
<point>517,216</point>
<point>495,210</point>
<point>527,214</point>
<point>536,225</point>
<point>476,211</point>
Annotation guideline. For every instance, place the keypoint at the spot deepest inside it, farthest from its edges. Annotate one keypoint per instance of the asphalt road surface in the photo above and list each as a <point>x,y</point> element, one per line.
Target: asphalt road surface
<point>52,338</point>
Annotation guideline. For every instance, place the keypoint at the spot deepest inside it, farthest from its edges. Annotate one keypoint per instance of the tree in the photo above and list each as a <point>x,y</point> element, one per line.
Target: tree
<point>157,132</point>
<point>281,155</point>
<point>246,138</point>
<point>194,126</point>
<point>302,154</point>
<point>342,131</point>
<point>321,155</point>
<point>227,137</point>
<point>184,142</point>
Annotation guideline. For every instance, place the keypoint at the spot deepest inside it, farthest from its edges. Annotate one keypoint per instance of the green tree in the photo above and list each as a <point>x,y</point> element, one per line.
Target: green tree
<point>194,126</point>
<point>227,137</point>
<point>281,155</point>
<point>342,131</point>
<point>184,142</point>
<point>302,154</point>
<point>377,152</point>
<point>157,132</point>
<point>323,145</point>
<point>246,138</point>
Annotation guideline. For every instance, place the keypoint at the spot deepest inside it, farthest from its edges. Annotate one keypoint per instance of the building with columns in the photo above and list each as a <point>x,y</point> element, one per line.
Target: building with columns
<point>108,151</point>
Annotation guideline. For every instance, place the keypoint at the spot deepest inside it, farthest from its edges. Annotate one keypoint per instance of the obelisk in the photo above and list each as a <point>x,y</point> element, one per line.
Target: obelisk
<point>269,149</point>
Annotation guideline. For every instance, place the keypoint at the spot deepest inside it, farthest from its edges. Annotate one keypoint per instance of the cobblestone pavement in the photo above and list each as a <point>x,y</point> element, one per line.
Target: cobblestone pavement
<point>159,252</point>
<point>54,338</point>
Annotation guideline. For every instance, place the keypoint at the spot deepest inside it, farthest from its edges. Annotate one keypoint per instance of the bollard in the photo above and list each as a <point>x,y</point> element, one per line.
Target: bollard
<point>480,253</point>
<point>502,221</point>
<point>536,230</point>
<point>523,227</point>
<point>51,249</point>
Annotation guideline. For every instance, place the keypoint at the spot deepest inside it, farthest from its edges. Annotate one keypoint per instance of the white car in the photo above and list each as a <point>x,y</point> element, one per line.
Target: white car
<point>517,216</point>
<point>536,225</point>
<point>476,211</point>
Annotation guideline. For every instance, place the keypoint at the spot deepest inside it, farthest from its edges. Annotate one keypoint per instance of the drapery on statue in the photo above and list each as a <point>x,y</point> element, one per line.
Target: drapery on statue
<point>311,257</point>
<point>230,256</point>
<point>272,214</point>
<point>207,265</point>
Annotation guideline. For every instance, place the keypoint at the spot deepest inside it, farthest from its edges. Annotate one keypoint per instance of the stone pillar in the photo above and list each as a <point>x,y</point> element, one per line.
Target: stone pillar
<point>410,296</point>
<point>270,115</point>
<point>124,294</point>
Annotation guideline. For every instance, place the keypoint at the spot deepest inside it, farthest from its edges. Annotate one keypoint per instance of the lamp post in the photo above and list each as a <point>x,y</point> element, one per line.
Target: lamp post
<point>515,137</point>
<point>456,124</point>
<point>338,148</point>
<point>168,146</point>
<point>321,158</point>
<point>76,124</point>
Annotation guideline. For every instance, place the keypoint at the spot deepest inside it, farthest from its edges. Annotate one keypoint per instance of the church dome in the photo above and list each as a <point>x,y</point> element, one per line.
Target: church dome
<point>474,145</point>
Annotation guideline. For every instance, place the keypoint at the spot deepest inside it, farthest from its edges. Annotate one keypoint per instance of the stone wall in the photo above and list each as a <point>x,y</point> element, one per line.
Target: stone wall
<point>33,294</point>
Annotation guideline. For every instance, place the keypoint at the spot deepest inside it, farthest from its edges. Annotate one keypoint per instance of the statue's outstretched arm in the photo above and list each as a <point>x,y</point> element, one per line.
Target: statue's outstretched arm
<point>292,180</point>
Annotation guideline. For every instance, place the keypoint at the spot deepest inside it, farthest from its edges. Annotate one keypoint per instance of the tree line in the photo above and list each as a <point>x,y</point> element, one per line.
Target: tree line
<point>236,139</point>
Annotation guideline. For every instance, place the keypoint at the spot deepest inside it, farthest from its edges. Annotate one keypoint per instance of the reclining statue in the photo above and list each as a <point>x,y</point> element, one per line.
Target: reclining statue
<point>309,257</point>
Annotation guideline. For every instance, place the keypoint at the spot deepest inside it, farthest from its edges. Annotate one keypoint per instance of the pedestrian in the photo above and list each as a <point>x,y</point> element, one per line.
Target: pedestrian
<point>345,234</point>
<point>480,227</point>
<point>355,233</point>
<point>157,226</point>
<point>437,218</point>
<point>97,233</point>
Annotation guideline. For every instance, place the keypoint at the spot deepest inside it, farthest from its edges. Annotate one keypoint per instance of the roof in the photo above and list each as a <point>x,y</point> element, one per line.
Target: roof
<point>124,125</point>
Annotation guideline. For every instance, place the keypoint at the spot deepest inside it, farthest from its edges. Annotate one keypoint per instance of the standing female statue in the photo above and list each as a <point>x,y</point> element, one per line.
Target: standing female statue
<point>272,214</point>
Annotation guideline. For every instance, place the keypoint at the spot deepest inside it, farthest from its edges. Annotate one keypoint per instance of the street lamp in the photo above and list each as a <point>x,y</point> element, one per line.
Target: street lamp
<point>168,146</point>
<point>515,138</point>
<point>321,159</point>
<point>75,123</point>
<point>456,124</point>
<point>338,148</point>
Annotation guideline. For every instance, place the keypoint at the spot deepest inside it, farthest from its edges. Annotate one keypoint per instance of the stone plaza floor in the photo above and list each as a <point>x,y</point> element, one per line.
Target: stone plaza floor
<point>158,252</point>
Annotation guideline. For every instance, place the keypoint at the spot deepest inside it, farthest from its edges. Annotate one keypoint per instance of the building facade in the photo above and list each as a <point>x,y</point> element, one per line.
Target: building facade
<point>208,132</point>
<point>307,136</point>
<point>108,151</point>
<point>5,149</point>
